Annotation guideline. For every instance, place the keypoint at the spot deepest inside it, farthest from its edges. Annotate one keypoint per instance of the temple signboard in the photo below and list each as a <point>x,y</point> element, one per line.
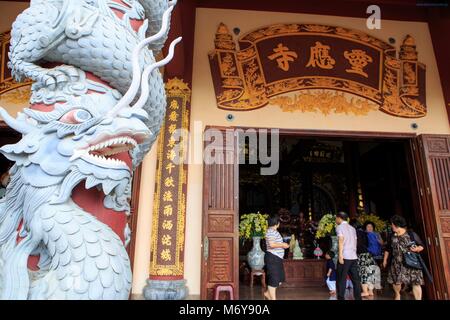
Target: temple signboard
<point>283,58</point>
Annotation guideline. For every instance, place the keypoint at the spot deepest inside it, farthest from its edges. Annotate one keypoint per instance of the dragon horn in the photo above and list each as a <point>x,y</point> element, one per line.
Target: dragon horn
<point>19,125</point>
<point>135,84</point>
<point>145,90</point>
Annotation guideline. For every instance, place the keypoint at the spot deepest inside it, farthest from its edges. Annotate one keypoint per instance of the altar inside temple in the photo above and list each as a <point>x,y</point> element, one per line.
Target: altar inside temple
<point>317,177</point>
<point>304,273</point>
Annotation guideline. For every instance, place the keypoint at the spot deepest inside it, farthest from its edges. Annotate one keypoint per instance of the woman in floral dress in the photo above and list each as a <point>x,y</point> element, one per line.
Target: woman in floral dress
<point>399,274</point>
<point>366,263</point>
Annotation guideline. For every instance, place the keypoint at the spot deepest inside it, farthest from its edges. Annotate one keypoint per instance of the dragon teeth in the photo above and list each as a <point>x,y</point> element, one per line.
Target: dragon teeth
<point>119,144</point>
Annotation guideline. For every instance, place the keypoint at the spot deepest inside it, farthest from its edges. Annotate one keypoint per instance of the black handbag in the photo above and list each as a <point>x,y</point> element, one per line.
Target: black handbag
<point>412,260</point>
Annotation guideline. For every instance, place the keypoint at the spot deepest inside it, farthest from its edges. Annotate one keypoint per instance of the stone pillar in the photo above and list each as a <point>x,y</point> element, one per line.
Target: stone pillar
<point>166,280</point>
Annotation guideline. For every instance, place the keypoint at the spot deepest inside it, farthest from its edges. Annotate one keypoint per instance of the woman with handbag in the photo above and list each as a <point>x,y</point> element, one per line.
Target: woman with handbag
<point>405,267</point>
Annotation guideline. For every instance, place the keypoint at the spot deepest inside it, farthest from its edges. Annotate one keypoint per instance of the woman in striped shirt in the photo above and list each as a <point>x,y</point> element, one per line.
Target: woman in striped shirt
<point>274,257</point>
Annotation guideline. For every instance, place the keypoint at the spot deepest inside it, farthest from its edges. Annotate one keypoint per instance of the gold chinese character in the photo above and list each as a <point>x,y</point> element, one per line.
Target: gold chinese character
<point>166,240</point>
<point>172,128</point>
<point>166,255</point>
<point>358,59</point>
<point>167,196</point>
<point>168,209</point>
<point>168,182</point>
<point>167,225</point>
<point>169,167</point>
<point>320,57</point>
<point>174,105</point>
<point>171,142</point>
<point>283,56</point>
<point>173,116</point>
<point>171,154</point>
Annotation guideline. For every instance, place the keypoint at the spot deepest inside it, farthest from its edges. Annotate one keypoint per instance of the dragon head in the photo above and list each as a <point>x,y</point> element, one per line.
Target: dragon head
<point>78,140</point>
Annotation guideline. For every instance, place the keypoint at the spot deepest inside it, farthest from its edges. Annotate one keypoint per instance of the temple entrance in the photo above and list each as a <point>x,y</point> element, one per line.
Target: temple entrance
<point>322,173</point>
<point>319,176</point>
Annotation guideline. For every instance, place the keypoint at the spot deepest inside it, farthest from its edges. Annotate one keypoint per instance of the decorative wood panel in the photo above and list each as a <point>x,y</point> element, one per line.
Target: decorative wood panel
<point>220,229</point>
<point>220,263</point>
<point>304,273</point>
<point>437,145</point>
<point>220,186</point>
<point>169,211</point>
<point>445,226</point>
<point>221,224</point>
<point>441,175</point>
<point>281,58</point>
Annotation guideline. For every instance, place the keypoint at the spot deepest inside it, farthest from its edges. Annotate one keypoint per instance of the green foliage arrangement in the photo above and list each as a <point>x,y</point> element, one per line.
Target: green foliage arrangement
<point>253,225</point>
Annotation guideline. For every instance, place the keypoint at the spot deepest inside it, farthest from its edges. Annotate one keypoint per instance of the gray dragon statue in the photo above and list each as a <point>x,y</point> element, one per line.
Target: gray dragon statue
<point>96,107</point>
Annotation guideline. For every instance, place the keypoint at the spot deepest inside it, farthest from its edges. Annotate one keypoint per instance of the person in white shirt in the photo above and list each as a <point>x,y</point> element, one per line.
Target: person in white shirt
<point>347,258</point>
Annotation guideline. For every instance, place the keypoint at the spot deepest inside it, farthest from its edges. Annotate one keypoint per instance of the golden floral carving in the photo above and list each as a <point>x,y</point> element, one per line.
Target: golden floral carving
<point>227,66</point>
<point>317,28</point>
<point>325,102</point>
<point>18,95</point>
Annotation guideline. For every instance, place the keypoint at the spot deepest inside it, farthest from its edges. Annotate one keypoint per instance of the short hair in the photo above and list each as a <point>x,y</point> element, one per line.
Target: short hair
<point>273,220</point>
<point>331,254</point>
<point>367,223</point>
<point>399,221</point>
<point>342,215</point>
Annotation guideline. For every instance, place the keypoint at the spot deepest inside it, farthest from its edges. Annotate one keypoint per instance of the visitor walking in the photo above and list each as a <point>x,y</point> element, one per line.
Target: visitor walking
<point>347,258</point>
<point>366,263</point>
<point>274,257</point>
<point>399,273</point>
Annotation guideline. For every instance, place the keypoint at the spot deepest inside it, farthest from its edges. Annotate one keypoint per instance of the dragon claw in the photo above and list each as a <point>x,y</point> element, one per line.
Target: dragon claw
<point>61,75</point>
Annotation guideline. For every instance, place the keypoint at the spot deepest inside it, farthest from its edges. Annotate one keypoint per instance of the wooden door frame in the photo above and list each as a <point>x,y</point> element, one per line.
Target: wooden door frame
<point>205,208</point>
<point>422,211</point>
<point>430,199</point>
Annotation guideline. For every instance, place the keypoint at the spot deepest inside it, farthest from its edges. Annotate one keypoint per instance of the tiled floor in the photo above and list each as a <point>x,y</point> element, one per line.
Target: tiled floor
<point>255,293</point>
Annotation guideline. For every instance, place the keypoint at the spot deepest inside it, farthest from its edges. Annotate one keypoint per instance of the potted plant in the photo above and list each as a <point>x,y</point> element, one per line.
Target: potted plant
<point>254,226</point>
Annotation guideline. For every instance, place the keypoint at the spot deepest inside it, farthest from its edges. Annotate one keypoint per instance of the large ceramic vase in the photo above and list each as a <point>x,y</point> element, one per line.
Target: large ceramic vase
<point>255,257</point>
<point>334,247</point>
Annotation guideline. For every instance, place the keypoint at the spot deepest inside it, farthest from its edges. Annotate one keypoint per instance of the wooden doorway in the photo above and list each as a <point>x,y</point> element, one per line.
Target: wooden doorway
<point>429,167</point>
<point>220,236</point>
<point>432,168</point>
